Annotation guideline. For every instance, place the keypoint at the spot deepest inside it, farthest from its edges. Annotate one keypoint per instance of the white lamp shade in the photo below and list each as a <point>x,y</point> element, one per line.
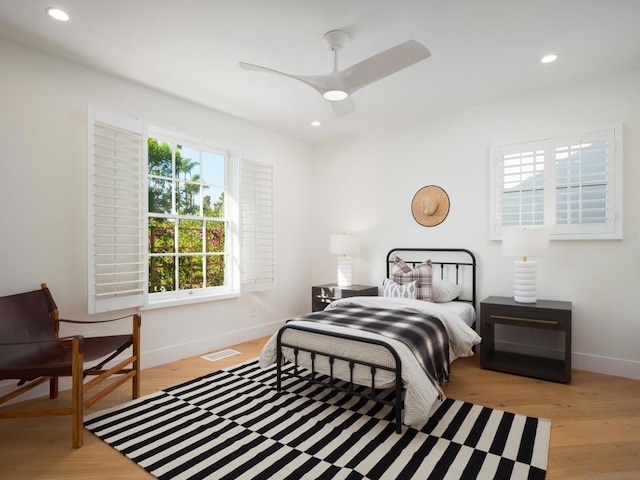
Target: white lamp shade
<point>525,242</point>
<point>343,244</point>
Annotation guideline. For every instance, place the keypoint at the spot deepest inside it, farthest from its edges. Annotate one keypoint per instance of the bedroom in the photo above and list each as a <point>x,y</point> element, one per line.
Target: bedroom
<point>45,98</point>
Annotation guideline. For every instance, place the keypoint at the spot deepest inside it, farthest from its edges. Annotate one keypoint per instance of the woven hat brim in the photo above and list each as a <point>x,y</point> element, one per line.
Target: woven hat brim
<point>442,200</point>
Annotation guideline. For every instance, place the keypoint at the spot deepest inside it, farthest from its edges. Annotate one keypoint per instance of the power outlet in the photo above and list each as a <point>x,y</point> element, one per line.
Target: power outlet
<point>253,310</point>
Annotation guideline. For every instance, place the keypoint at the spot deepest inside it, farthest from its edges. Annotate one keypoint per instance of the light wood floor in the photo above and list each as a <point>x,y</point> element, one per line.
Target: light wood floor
<point>595,422</point>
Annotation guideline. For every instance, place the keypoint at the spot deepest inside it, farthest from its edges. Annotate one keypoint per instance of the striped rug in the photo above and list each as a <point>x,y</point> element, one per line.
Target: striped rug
<point>233,424</point>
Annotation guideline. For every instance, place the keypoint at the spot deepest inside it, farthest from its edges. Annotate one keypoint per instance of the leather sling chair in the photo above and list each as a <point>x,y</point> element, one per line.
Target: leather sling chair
<point>32,352</point>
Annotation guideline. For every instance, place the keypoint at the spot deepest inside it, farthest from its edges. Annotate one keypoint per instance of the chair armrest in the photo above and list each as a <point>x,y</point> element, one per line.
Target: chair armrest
<point>38,342</point>
<point>136,317</point>
<point>95,321</point>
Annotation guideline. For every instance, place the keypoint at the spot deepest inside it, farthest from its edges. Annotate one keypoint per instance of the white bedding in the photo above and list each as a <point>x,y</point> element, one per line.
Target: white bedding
<point>421,394</point>
<point>464,309</point>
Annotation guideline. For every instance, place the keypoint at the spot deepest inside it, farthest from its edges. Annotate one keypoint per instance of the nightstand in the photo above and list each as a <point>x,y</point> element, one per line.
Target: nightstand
<point>323,295</point>
<point>544,315</point>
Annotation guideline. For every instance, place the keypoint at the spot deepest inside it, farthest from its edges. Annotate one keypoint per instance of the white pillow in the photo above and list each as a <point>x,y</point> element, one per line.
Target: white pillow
<point>443,291</point>
<point>393,289</point>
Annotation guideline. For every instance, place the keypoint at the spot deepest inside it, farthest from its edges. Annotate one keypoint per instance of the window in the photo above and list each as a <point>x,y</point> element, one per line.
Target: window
<point>188,224</point>
<point>571,185</point>
<point>165,221</point>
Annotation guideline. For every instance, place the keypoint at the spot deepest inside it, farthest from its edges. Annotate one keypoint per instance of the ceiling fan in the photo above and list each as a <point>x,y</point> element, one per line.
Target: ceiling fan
<point>339,85</point>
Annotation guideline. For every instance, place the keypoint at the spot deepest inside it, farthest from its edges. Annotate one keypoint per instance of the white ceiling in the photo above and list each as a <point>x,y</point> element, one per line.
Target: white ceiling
<point>482,51</point>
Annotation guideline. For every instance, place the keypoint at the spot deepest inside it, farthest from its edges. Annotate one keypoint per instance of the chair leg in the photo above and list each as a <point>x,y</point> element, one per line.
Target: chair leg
<point>137,320</point>
<point>53,387</point>
<point>77,401</point>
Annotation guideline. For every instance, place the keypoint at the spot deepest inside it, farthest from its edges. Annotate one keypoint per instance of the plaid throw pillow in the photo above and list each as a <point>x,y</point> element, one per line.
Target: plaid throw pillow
<point>402,273</point>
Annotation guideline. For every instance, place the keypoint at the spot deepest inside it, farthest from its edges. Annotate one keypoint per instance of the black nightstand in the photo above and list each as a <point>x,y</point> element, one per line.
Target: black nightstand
<point>544,315</point>
<point>323,295</point>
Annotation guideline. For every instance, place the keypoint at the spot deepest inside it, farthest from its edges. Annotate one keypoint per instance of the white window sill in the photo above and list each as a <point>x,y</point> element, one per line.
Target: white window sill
<point>188,300</point>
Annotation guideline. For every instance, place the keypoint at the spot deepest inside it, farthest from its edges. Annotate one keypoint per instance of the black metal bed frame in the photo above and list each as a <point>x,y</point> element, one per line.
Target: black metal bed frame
<point>332,382</point>
<point>471,262</point>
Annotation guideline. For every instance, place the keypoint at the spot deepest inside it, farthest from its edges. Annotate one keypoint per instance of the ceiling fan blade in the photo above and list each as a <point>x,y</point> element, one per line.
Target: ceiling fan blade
<point>343,107</point>
<point>379,66</point>
<point>316,82</point>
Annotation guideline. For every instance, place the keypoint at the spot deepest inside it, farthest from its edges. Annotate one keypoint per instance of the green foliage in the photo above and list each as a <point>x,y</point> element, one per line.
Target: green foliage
<point>194,252</point>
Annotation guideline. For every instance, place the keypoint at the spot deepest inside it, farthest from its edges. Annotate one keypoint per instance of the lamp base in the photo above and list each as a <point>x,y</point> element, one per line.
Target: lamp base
<point>518,299</point>
<point>524,282</point>
<point>344,271</point>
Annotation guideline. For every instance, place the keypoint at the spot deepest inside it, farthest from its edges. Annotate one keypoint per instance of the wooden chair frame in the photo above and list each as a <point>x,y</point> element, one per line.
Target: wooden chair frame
<point>129,368</point>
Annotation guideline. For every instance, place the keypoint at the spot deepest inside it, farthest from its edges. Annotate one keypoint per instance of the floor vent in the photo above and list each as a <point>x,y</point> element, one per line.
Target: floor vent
<point>212,357</point>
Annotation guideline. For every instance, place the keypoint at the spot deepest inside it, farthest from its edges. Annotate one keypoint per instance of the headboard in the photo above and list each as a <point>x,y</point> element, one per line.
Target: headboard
<point>456,265</point>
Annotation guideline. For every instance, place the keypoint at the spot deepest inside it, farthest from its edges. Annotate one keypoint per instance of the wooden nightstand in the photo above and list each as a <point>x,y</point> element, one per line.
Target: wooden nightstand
<point>323,295</point>
<point>544,315</point>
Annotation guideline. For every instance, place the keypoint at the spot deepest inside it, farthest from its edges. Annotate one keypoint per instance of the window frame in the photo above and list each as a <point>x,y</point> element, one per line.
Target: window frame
<point>139,297</point>
<point>611,229</point>
<point>230,219</point>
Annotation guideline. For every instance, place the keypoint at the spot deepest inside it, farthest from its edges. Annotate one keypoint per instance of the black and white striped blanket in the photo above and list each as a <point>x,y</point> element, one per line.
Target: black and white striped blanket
<point>423,334</point>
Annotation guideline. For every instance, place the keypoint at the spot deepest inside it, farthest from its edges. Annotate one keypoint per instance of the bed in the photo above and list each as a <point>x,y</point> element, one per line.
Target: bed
<point>335,348</point>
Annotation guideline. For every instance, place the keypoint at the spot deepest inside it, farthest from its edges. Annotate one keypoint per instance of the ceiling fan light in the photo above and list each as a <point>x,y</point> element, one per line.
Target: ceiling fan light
<point>335,95</point>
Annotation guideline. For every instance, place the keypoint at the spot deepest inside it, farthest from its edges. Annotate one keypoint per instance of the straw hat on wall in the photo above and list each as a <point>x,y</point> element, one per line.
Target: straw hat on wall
<point>430,206</point>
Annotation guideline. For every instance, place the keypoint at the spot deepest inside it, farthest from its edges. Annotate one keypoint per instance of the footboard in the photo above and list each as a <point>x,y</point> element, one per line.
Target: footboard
<point>332,382</point>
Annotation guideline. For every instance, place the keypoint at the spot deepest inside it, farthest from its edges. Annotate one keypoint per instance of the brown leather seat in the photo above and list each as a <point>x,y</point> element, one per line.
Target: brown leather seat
<point>31,351</point>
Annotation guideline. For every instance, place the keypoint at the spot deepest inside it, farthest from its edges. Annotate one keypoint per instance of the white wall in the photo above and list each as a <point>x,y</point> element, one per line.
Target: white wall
<point>43,138</point>
<point>365,186</point>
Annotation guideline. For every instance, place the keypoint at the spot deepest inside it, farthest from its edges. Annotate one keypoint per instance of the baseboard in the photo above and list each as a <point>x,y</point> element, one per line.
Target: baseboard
<point>160,356</point>
<point>206,345</point>
<point>606,365</point>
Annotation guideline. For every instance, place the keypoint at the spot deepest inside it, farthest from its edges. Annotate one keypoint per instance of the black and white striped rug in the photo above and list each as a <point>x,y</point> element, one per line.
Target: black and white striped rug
<point>233,424</point>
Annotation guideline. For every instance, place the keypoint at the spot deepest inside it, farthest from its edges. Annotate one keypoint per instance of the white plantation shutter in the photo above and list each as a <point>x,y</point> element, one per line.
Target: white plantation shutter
<point>572,185</point>
<point>257,225</point>
<point>584,192</point>
<point>521,182</point>
<point>117,211</point>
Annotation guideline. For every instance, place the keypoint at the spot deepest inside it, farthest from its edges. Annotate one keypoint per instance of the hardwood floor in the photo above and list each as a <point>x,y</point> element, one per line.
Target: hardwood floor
<point>595,422</point>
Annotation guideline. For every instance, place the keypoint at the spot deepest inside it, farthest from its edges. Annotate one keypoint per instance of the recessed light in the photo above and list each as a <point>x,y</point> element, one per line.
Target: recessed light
<point>315,123</point>
<point>58,14</point>
<point>549,58</point>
